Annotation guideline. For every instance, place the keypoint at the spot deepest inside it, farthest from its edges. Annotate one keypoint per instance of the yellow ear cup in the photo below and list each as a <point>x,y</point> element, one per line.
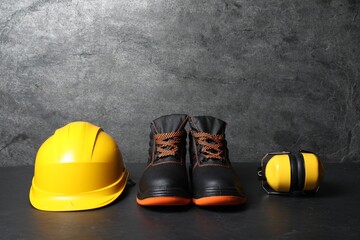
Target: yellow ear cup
<point>278,173</point>
<point>313,171</point>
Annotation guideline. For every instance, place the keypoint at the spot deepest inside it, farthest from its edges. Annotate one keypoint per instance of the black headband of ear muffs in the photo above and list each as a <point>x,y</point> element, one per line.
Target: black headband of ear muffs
<point>297,171</point>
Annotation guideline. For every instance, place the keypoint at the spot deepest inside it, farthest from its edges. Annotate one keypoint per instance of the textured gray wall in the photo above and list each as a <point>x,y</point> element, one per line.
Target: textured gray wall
<point>283,74</point>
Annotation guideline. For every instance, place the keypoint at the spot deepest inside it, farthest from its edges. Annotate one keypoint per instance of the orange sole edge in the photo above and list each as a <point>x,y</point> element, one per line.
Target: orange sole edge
<point>163,201</point>
<point>219,201</point>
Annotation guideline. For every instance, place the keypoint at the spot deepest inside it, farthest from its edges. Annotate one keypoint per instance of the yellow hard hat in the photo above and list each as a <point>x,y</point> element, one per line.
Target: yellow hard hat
<point>80,167</point>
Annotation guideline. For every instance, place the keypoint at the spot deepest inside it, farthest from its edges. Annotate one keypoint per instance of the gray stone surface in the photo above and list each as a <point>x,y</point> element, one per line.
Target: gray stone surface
<point>283,74</point>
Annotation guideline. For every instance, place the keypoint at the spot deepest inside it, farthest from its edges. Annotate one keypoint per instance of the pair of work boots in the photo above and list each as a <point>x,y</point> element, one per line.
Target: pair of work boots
<point>165,181</point>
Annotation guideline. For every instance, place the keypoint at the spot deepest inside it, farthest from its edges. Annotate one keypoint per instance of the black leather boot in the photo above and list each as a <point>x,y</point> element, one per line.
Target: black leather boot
<point>164,181</point>
<point>214,181</point>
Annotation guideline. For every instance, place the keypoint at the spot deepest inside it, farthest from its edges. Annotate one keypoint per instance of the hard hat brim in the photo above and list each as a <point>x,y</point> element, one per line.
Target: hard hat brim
<point>48,201</point>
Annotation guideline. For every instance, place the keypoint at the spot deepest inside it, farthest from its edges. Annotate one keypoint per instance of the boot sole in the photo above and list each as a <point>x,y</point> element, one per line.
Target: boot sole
<point>163,201</point>
<point>219,200</point>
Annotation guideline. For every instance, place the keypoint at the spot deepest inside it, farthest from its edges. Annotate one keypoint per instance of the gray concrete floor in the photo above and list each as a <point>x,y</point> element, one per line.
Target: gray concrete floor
<point>333,213</point>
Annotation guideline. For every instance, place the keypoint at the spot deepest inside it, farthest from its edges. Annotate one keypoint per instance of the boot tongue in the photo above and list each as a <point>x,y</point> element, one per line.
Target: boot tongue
<point>167,124</point>
<point>208,124</point>
<point>170,123</point>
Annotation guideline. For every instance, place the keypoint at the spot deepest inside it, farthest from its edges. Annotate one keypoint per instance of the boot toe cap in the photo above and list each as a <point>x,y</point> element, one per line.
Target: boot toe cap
<point>216,181</point>
<point>163,180</point>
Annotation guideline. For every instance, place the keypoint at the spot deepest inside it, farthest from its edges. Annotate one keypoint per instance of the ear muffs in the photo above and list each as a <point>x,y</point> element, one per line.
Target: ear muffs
<point>285,172</point>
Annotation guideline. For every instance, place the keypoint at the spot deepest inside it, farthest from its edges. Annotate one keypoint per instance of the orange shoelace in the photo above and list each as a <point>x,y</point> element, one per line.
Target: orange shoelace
<point>167,143</point>
<point>212,144</point>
